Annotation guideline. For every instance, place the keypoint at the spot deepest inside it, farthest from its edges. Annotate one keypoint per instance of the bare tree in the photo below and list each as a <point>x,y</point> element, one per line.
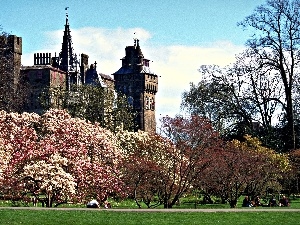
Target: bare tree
<point>276,43</point>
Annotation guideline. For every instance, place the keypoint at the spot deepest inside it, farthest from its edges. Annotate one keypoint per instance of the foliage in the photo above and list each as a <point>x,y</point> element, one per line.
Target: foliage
<point>196,142</point>
<point>50,156</point>
<point>276,43</point>
<point>56,158</point>
<point>147,159</point>
<point>238,100</point>
<point>293,184</point>
<point>244,167</point>
<point>219,97</point>
<point>93,103</point>
<point>258,94</point>
<point>268,168</point>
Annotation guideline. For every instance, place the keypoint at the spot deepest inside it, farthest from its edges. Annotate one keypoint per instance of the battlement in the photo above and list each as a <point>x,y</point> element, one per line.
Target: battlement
<point>42,59</point>
<point>13,42</point>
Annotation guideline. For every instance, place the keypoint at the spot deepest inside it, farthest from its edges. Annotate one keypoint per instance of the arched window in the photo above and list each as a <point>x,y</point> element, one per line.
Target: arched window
<point>147,103</point>
<point>130,100</point>
<point>152,106</point>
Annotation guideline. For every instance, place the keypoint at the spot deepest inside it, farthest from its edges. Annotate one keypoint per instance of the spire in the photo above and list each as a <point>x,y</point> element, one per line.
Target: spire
<point>68,61</point>
<point>137,48</point>
<point>67,56</point>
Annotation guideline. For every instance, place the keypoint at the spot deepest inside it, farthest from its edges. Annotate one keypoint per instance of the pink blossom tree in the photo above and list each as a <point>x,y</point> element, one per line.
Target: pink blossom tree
<point>146,156</point>
<point>89,154</point>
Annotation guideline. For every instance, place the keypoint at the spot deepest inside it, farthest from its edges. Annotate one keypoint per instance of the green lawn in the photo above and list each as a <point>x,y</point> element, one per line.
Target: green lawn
<point>74,217</point>
<point>94,216</point>
<point>130,204</point>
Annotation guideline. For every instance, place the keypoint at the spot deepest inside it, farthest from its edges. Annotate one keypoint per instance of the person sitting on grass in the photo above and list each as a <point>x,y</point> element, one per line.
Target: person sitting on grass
<point>272,202</point>
<point>257,201</point>
<point>284,202</point>
<point>246,202</point>
<point>107,205</point>
<point>93,204</point>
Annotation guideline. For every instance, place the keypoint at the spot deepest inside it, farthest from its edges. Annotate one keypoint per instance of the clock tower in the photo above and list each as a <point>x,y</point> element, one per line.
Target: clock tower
<point>139,84</point>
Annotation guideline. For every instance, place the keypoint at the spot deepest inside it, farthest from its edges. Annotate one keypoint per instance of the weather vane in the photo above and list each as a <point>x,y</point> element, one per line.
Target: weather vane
<point>66,11</point>
<point>136,40</point>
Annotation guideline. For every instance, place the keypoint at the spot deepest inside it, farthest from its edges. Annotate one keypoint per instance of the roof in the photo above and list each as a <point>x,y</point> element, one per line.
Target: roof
<point>129,70</point>
<point>106,77</point>
<point>41,67</point>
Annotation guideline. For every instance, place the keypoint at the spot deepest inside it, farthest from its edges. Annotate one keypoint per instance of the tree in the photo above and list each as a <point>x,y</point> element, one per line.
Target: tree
<point>146,157</point>
<point>276,43</point>
<point>292,184</point>
<point>93,103</point>
<point>219,97</point>
<point>261,87</point>
<point>244,167</point>
<point>52,155</point>
<point>227,175</point>
<point>238,100</point>
<point>49,179</point>
<point>196,143</point>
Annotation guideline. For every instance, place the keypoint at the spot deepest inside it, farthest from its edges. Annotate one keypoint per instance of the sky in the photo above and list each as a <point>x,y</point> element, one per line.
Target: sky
<point>178,36</point>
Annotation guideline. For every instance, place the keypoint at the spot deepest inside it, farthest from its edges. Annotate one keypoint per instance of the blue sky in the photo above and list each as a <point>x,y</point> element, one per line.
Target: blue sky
<point>178,35</point>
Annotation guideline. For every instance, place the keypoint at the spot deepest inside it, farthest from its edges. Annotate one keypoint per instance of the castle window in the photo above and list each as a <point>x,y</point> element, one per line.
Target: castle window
<point>130,100</point>
<point>152,105</point>
<point>146,63</point>
<point>147,103</point>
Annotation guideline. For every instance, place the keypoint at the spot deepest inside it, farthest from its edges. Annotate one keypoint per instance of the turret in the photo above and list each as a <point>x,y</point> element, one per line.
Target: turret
<point>139,84</point>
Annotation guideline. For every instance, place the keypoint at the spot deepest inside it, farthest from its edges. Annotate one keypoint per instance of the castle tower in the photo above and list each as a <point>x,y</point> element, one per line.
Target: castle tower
<point>15,54</point>
<point>10,56</point>
<point>139,84</point>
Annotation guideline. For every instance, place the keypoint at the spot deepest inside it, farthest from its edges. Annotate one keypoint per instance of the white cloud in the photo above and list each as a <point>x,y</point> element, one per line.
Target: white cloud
<point>177,65</point>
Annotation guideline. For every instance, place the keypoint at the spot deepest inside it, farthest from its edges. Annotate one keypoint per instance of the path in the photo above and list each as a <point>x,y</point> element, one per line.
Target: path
<point>164,210</point>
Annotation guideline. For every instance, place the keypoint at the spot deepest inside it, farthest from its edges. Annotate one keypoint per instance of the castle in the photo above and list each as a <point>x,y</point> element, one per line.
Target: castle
<point>134,78</point>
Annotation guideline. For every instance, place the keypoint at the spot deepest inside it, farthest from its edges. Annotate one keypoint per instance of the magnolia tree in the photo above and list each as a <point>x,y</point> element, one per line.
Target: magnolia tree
<point>50,179</point>
<point>147,160</point>
<point>244,167</point>
<point>269,167</point>
<point>80,158</point>
<point>17,145</point>
<point>197,143</point>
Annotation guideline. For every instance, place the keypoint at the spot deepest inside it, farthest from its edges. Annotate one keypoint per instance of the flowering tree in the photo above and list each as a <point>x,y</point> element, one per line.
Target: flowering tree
<point>270,167</point>
<point>17,145</point>
<point>147,158</point>
<point>241,167</point>
<point>228,173</point>
<point>292,181</point>
<point>49,179</point>
<point>196,142</point>
<point>77,153</point>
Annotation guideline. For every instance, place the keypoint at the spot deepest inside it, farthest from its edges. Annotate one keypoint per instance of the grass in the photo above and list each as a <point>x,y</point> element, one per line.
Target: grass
<point>74,217</point>
<point>77,217</point>
<point>187,202</point>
